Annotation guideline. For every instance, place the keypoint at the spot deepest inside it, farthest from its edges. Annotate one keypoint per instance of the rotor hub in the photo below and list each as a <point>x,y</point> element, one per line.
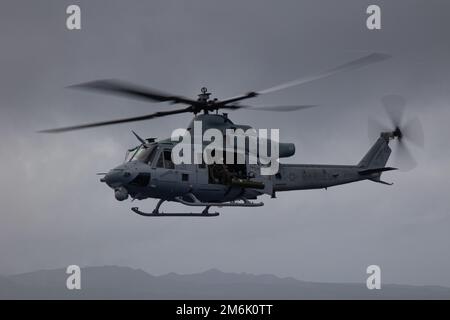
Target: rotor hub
<point>397,133</point>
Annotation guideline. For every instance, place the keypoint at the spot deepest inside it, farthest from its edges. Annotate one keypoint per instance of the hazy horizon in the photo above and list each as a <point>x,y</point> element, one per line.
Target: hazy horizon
<point>114,282</point>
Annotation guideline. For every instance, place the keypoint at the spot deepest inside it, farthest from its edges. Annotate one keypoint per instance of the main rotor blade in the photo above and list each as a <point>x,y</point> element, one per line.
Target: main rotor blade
<point>105,123</point>
<point>121,88</point>
<point>238,98</point>
<point>272,108</point>
<point>355,64</point>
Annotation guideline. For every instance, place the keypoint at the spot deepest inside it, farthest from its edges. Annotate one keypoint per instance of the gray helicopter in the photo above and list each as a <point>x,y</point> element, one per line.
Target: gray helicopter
<point>150,172</point>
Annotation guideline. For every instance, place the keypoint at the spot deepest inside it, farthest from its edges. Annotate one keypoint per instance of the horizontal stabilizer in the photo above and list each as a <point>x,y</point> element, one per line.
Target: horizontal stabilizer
<point>375,170</point>
<point>381,181</point>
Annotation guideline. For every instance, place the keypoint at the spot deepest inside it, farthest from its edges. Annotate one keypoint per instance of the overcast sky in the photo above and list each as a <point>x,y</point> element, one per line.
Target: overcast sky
<point>55,212</point>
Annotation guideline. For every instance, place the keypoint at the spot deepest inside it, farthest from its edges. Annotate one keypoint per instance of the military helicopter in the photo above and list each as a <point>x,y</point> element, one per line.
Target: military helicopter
<point>149,172</point>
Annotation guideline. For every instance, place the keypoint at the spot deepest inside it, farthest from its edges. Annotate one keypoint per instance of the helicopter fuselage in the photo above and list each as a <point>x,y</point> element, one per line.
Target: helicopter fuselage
<point>152,174</point>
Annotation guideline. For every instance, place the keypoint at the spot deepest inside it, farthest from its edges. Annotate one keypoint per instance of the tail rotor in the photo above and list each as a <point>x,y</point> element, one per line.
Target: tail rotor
<point>405,132</point>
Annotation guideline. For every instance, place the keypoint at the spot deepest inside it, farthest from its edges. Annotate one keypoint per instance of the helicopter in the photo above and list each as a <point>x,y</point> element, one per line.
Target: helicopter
<point>149,171</point>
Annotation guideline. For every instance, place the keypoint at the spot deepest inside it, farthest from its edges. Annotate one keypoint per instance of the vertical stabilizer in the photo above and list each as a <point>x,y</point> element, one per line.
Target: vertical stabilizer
<point>378,154</point>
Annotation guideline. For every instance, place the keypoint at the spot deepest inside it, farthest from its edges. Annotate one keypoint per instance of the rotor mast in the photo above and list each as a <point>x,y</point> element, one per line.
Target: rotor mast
<point>204,98</point>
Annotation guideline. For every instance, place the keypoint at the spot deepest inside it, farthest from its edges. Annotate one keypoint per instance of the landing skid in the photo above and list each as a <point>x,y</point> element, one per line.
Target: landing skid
<point>185,214</point>
<point>156,213</point>
<point>197,203</point>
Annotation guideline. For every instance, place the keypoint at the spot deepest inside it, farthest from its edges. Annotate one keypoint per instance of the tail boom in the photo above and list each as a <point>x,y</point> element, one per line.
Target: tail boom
<point>316,176</point>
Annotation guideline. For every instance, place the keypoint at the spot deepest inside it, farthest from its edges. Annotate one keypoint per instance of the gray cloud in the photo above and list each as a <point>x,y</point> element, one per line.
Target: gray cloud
<point>55,212</point>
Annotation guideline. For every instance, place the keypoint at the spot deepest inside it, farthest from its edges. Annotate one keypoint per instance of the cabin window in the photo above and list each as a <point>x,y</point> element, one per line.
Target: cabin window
<point>184,177</point>
<point>168,164</point>
<point>160,162</point>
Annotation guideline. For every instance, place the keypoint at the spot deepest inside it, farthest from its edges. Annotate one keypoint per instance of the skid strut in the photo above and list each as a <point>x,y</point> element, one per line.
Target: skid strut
<point>195,202</point>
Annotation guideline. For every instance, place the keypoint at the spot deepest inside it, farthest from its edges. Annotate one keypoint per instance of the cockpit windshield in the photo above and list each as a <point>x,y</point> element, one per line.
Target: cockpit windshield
<point>141,153</point>
<point>130,154</point>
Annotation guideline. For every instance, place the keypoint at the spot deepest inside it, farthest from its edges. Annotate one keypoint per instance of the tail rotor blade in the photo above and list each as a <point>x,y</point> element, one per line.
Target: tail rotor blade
<point>404,158</point>
<point>401,131</point>
<point>394,106</point>
<point>413,132</point>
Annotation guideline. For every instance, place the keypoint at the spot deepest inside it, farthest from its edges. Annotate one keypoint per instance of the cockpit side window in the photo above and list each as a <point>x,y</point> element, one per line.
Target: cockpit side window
<point>165,160</point>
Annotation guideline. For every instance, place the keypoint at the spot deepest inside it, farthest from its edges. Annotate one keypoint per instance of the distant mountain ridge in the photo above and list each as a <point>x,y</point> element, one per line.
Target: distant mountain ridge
<point>112,282</point>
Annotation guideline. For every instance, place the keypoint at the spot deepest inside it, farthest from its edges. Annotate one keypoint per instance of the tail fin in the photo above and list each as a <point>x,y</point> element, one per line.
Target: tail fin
<point>378,154</point>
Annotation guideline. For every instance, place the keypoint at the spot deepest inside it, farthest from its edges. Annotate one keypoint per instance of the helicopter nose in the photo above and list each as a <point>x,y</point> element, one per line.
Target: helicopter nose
<point>115,177</point>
